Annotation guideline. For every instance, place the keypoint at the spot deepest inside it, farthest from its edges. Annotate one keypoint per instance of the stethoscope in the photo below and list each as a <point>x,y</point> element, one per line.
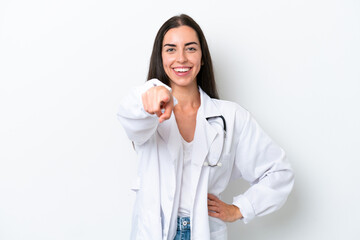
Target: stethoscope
<point>218,163</point>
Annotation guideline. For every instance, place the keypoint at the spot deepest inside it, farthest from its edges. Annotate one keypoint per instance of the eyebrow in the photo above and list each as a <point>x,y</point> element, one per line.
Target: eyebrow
<point>173,45</point>
<point>189,43</point>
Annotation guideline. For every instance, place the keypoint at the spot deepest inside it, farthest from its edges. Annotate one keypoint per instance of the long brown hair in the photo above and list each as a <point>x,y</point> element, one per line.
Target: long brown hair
<point>205,78</point>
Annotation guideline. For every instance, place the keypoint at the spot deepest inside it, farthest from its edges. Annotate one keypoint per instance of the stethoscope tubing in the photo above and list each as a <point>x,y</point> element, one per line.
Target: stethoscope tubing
<point>222,118</point>
<point>218,164</point>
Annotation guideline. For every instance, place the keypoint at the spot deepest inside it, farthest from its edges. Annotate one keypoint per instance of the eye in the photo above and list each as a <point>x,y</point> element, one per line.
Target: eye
<point>170,50</point>
<point>191,49</point>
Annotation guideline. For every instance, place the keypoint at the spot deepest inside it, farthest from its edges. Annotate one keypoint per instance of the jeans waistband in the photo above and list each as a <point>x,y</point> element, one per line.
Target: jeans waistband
<point>183,223</point>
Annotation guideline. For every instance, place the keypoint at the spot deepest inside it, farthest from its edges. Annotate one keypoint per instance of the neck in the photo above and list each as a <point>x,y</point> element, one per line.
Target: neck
<point>187,97</point>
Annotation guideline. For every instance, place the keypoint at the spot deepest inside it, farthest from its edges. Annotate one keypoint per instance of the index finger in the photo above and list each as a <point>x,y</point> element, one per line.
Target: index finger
<point>167,112</point>
<point>212,197</point>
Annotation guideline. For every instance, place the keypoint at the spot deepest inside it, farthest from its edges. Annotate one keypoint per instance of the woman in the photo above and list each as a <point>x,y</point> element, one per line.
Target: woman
<point>190,144</point>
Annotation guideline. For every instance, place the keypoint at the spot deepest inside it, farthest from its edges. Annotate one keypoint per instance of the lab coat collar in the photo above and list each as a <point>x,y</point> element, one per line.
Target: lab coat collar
<point>207,105</point>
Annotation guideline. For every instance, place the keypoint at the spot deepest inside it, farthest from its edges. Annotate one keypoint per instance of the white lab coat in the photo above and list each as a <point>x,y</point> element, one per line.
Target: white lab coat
<point>247,153</point>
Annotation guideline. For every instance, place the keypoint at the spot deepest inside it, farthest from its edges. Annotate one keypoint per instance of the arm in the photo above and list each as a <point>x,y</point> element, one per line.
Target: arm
<point>263,164</point>
<point>140,111</point>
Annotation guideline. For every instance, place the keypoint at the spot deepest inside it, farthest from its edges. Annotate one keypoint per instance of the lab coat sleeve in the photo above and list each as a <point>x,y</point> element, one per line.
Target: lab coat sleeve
<point>263,164</point>
<point>139,125</point>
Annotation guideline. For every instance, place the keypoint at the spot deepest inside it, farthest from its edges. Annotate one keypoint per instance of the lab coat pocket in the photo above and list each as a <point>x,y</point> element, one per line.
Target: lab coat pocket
<point>220,170</point>
<point>151,226</point>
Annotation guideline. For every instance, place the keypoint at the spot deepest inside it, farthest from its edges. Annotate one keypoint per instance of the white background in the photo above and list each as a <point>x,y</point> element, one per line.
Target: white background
<point>65,162</point>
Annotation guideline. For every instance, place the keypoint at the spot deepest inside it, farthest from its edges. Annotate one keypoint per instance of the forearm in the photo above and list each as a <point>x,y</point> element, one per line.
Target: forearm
<point>266,196</point>
<point>138,123</point>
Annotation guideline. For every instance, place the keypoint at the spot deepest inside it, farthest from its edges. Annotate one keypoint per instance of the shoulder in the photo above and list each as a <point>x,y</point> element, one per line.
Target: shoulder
<point>231,111</point>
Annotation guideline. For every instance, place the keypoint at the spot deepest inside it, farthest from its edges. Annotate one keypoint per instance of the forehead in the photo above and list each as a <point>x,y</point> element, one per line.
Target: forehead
<point>181,35</point>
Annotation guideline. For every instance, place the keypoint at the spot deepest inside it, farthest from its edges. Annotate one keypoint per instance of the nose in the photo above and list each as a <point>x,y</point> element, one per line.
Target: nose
<point>181,57</point>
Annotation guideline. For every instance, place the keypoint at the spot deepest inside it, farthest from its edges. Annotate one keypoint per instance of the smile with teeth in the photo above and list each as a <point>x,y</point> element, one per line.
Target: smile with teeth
<point>182,70</point>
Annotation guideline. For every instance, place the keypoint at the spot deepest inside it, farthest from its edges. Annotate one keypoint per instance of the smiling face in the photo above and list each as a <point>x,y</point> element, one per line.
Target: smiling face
<point>181,56</point>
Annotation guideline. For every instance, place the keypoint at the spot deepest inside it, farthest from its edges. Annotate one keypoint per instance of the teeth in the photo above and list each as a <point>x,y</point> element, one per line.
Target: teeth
<point>181,69</point>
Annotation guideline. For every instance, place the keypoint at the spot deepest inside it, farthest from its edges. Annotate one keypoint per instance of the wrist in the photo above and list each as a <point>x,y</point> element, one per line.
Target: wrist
<point>237,211</point>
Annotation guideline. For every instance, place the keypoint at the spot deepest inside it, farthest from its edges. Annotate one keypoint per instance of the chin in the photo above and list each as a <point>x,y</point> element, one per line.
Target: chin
<point>182,82</point>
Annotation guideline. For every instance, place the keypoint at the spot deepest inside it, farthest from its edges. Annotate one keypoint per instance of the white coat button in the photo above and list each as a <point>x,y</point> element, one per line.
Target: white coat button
<point>219,164</point>
<point>206,164</point>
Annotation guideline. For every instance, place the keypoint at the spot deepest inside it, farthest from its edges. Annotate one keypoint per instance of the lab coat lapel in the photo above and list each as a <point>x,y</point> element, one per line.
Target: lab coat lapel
<point>204,133</point>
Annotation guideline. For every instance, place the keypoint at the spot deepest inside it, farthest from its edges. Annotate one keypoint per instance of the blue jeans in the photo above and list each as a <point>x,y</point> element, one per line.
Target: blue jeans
<point>183,228</point>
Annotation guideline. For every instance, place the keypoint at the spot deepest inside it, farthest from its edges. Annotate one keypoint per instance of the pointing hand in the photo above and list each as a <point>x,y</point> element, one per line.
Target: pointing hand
<point>157,98</point>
